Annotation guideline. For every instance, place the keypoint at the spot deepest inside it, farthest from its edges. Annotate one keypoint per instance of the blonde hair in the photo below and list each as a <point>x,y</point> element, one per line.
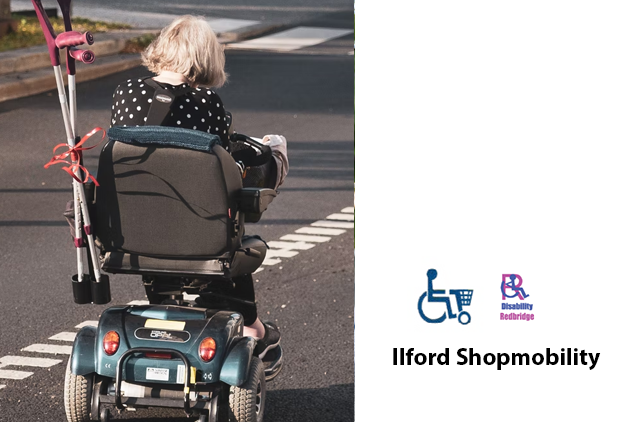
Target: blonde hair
<point>188,46</point>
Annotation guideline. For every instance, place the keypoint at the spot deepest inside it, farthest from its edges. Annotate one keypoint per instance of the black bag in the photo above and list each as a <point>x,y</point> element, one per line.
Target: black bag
<point>262,176</point>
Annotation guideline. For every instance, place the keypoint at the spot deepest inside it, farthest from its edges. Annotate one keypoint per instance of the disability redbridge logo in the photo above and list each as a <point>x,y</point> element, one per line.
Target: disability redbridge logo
<point>514,304</point>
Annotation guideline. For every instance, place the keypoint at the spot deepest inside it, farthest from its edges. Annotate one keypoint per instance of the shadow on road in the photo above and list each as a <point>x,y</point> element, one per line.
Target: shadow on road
<point>335,403</point>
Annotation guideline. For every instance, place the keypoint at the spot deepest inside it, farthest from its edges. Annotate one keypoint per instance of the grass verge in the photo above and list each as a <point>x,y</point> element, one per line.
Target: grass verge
<point>138,44</point>
<point>29,31</point>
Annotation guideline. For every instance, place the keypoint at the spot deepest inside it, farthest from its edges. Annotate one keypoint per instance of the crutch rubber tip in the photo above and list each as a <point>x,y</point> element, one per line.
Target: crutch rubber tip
<point>81,289</point>
<point>100,292</point>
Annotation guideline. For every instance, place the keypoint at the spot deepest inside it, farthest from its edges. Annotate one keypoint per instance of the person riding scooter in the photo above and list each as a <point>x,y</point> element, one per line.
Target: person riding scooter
<point>189,63</point>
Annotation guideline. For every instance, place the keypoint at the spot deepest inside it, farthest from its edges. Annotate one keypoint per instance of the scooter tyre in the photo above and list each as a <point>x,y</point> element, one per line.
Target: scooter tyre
<point>77,393</point>
<point>247,402</point>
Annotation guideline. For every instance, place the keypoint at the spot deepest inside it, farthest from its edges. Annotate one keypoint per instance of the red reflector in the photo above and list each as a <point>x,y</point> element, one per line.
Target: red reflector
<point>158,355</point>
<point>207,349</point>
<point>111,343</point>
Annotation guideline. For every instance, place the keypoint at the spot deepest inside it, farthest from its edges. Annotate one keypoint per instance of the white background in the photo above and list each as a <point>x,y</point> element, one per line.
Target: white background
<point>489,140</point>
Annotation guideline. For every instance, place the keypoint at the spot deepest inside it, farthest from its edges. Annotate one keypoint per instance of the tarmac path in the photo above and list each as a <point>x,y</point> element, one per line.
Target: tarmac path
<point>308,291</point>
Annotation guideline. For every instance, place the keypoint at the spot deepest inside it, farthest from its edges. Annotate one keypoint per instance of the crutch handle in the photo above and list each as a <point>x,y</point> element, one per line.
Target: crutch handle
<point>84,56</point>
<point>73,38</point>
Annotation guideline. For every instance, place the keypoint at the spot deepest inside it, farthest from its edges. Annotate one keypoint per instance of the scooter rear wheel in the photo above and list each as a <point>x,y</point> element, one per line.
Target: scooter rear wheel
<point>247,402</point>
<point>78,390</point>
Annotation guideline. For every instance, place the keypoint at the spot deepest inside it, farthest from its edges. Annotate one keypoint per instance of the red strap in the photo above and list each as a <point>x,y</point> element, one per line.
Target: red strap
<point>75,153</point>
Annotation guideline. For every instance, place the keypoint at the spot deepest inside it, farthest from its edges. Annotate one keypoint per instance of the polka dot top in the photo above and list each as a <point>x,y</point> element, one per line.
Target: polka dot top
<point>200,109</point>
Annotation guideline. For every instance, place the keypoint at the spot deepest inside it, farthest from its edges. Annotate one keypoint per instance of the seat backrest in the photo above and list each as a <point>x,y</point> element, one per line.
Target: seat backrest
<point>163,201</point>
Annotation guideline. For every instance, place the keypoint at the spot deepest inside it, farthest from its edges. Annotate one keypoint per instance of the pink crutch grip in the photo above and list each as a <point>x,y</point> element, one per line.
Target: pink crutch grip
<point>73,38</point>
<point>84,56</point>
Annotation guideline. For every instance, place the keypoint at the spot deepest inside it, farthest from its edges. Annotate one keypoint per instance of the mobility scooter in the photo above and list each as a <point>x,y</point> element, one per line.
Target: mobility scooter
<point>168,205</point>
<point>174,215</point>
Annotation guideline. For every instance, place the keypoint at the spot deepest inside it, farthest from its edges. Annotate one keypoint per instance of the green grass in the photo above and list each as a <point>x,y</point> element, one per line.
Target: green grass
<point>138,44</point>
<point>29,31</point>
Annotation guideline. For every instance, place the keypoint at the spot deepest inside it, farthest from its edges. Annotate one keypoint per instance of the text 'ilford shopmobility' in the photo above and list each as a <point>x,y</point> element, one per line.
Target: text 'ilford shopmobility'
<point>566,357</point>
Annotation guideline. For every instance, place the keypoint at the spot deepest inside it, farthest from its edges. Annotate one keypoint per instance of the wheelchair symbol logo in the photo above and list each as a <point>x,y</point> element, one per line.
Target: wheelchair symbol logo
<point>463,298</point>
<point>517,290</point>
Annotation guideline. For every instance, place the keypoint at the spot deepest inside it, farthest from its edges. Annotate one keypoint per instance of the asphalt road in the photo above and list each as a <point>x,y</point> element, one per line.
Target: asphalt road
<point>279,11</point>
<point>308,99</point>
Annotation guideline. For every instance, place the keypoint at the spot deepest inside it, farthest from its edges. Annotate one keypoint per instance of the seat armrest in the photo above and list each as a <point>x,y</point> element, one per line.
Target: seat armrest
<point>255,200</point>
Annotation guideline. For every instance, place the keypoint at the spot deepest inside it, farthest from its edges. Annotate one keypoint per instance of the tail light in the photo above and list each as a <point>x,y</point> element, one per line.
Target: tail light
<point>207,349</point>
<point>111,343</point>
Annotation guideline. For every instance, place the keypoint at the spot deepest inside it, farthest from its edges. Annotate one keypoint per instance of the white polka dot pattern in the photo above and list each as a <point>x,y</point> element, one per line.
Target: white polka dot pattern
<point>199,109</point>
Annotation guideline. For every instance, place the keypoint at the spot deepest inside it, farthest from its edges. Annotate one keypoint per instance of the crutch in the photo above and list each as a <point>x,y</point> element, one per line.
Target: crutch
<point>98,290</point>
<point>71,83</point>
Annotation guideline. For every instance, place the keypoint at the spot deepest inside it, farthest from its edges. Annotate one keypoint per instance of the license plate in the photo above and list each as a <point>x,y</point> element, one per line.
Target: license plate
<point>157,374</point>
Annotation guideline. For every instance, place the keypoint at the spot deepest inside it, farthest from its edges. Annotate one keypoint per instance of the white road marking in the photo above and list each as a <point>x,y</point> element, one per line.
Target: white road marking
<point>14,375</point>
<point>303,238</point>
<point>139,302</point>
<point>88,324</point>
<point>64,336</point>
<point>258,270</point>
<point>286,248</point>
<point>291,245</point>
<point>27,361</point>
<point>225,25</point>
<point>292,39</point>
<point>342,217</point>
<point>48,348</point>
<point>319,230</point>
<point>334,224</point>
<point>271,261</point>
<point>190,297</point>
<point>280,253</point>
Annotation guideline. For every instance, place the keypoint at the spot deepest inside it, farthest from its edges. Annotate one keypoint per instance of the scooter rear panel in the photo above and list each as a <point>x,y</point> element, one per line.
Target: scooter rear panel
<point>162,328</point>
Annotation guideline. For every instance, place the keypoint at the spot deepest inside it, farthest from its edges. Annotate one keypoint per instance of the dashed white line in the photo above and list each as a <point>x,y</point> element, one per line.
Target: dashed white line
<point>48,348</point>
<point>64,336</point>
<point>288,246</point>
<point>139,302</point>
<point>27,361</point>
<point>291,245</point>
<point>304,238</point>
<point>334,224</point>
<point>14,375</point>
<point>319,230</point>
<point>271,261</point>
<point>342,217</point>
<point>190,297</point>
<point>88,324</point>
<point>280,253</point>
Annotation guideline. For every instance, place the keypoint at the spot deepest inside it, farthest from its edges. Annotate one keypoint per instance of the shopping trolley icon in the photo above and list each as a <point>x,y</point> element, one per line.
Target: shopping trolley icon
<point>463,298</point>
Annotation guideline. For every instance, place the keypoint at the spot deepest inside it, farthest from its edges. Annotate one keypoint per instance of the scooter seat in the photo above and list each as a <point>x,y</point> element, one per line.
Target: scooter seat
<point>245,260</point>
